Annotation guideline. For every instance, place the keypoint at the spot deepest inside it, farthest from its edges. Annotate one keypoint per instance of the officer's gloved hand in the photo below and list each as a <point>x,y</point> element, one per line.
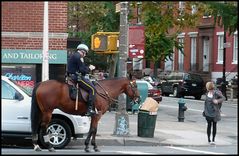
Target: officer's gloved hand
<point>78,76</point>
<point>92,67</point>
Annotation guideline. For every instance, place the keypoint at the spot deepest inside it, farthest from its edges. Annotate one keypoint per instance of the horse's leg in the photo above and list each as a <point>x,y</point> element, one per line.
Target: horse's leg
<point>94,127</point>
<point>45,121</point>
<point>87,140</point>
<point>35,126</point>
<point>93,143</point>
<point>36,116</point>
<point>34,141</point>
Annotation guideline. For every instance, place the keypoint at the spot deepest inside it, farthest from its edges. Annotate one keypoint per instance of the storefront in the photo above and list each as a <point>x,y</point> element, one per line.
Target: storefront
<point>25,66</point>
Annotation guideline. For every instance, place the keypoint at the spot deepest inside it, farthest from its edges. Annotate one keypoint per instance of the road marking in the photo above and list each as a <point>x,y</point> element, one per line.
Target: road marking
<point>191,150</point>
<point>132,152</point>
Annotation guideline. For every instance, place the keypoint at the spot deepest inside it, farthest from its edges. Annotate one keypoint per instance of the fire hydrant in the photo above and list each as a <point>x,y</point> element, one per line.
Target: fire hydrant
<point>181,109</point>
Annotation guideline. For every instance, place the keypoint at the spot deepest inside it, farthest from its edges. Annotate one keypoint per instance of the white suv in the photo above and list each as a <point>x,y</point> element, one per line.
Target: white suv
<point>16,121</point>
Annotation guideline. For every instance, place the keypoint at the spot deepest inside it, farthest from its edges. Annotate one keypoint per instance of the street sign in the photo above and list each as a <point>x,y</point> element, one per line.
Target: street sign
<point>227,45</point>
<point>136,42</point>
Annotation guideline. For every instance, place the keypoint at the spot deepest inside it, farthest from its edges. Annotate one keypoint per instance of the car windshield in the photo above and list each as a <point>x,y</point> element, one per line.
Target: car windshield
<point>22,88</point>
<point>193,77</point>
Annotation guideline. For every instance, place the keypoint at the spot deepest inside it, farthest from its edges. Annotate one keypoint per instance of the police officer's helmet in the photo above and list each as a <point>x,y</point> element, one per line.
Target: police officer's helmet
<point>83,47</point>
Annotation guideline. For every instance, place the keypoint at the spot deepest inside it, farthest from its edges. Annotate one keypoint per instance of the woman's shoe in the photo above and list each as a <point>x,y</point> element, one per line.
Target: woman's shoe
<point>212,143</point>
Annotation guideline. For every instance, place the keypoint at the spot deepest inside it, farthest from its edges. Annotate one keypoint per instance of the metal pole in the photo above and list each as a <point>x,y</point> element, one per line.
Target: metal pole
<point>224,66</point>
<point>45,64</point>
<point>122,118</point>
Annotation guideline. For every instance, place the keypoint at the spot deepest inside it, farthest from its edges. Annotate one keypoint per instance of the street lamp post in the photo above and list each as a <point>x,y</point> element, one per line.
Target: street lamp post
<point>122,118</point>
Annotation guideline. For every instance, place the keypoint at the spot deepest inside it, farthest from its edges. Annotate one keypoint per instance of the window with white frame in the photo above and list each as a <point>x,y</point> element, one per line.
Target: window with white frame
<point>181,7</point>
<point>235,48</point>
<point>194,9</point>
<point>193,53</point>
<point>220,47</point>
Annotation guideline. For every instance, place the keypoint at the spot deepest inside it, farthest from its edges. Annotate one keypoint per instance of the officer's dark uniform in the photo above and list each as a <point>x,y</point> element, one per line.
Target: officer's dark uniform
<point>76,65</point>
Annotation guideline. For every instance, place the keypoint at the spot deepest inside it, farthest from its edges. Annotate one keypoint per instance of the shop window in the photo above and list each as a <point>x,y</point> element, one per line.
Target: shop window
<point>23,75</point>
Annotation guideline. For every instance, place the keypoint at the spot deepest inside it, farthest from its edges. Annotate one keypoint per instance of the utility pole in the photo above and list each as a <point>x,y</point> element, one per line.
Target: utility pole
<point>122,118</point>
<point>45,54</point>
<point>224,88</point>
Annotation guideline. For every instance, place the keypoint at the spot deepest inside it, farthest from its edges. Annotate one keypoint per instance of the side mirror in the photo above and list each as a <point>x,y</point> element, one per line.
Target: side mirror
<point>18,96</point>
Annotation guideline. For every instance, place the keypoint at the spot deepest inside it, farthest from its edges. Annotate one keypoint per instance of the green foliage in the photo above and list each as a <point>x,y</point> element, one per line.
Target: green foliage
<point>159,19</point>
<point>225,14</point>
<point>86,18</point>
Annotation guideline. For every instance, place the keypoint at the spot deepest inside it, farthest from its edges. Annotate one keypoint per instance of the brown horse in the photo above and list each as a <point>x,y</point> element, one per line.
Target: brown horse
<point>52,94</point>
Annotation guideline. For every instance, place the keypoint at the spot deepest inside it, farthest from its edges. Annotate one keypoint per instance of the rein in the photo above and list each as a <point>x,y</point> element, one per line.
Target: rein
<point>106,95</point>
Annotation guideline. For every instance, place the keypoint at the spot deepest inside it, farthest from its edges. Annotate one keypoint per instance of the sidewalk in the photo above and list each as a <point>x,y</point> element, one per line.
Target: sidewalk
<point>168,132</point>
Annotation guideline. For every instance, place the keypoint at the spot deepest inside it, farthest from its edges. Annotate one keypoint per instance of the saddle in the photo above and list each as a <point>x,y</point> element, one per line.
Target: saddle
<point>82,94</point>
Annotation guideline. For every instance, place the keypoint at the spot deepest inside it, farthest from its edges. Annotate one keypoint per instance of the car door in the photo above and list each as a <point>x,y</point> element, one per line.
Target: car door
<point>15,112</point>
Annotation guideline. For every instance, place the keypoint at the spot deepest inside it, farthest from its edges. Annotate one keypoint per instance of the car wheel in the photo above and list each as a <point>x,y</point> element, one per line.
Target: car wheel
<point>166,94</point>
<point>175,92</point>
<point>198,97</point>
<point>59,132</point>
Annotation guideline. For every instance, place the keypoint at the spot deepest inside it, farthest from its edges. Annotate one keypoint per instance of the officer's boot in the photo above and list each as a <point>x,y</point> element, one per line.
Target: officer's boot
<point>90,111</point>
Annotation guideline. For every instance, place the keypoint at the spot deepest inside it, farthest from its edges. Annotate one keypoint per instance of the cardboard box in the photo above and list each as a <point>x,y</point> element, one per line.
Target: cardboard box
<point>150,105</point>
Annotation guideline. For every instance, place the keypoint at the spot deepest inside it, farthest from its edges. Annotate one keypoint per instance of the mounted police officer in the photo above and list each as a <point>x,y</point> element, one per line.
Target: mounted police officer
<point>77,70</point>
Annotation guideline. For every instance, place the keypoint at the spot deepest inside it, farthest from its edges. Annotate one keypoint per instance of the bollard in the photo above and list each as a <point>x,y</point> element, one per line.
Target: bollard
<point>181,109</point>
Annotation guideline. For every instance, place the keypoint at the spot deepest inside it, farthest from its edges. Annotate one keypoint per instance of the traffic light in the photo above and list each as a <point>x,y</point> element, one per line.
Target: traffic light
<point>105,42</point>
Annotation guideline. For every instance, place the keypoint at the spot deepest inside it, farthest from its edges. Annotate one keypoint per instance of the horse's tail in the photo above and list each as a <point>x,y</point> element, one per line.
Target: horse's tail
<point>35,111</point>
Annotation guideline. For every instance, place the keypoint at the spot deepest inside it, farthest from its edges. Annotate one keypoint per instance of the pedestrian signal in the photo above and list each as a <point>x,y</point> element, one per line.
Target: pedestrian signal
<point>105,42</point>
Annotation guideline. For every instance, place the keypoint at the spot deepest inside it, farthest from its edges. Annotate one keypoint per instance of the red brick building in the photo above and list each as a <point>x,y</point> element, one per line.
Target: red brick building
<point>22,37</point>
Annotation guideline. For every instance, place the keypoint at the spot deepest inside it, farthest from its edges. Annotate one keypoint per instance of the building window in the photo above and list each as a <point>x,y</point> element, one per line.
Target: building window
<point>181,7</point>
<point>235,48</point>
<point>193,53</point>
<point>220,47</point>
<point>194,9</point>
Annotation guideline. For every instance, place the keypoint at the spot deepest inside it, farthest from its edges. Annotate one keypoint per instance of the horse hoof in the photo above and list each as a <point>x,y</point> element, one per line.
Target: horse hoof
<point>96,150</point>
<point>87,150</point>
<point>37,148</point>
<point>51,150</point>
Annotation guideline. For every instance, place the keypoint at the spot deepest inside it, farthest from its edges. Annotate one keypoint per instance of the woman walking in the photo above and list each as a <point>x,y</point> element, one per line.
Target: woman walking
<point>212,106</point>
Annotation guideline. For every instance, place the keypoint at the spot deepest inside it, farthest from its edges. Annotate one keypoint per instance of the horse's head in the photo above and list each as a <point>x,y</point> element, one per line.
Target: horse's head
<point>132,91</point>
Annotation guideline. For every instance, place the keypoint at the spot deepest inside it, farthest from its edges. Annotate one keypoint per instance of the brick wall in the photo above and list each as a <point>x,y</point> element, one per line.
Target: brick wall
<point>32,43</point>
<point>28,17</point>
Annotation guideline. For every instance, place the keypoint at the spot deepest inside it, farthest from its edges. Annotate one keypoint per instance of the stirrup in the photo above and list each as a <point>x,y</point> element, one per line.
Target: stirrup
<point>90,113</point>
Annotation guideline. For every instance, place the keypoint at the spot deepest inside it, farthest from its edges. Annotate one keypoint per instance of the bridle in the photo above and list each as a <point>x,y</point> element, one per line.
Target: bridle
<point>133,86</point>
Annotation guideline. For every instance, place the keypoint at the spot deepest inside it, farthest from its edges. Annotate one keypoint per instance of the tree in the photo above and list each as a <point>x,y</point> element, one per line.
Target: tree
<point>163,23</point>
<point>225,14</point>
<point>87,18</point>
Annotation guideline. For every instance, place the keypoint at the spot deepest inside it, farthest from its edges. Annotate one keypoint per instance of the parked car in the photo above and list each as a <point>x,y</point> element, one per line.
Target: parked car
<point>152,91</point>
<point>152,80</point>
<point>16,121</point>
<point>183,84</point>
